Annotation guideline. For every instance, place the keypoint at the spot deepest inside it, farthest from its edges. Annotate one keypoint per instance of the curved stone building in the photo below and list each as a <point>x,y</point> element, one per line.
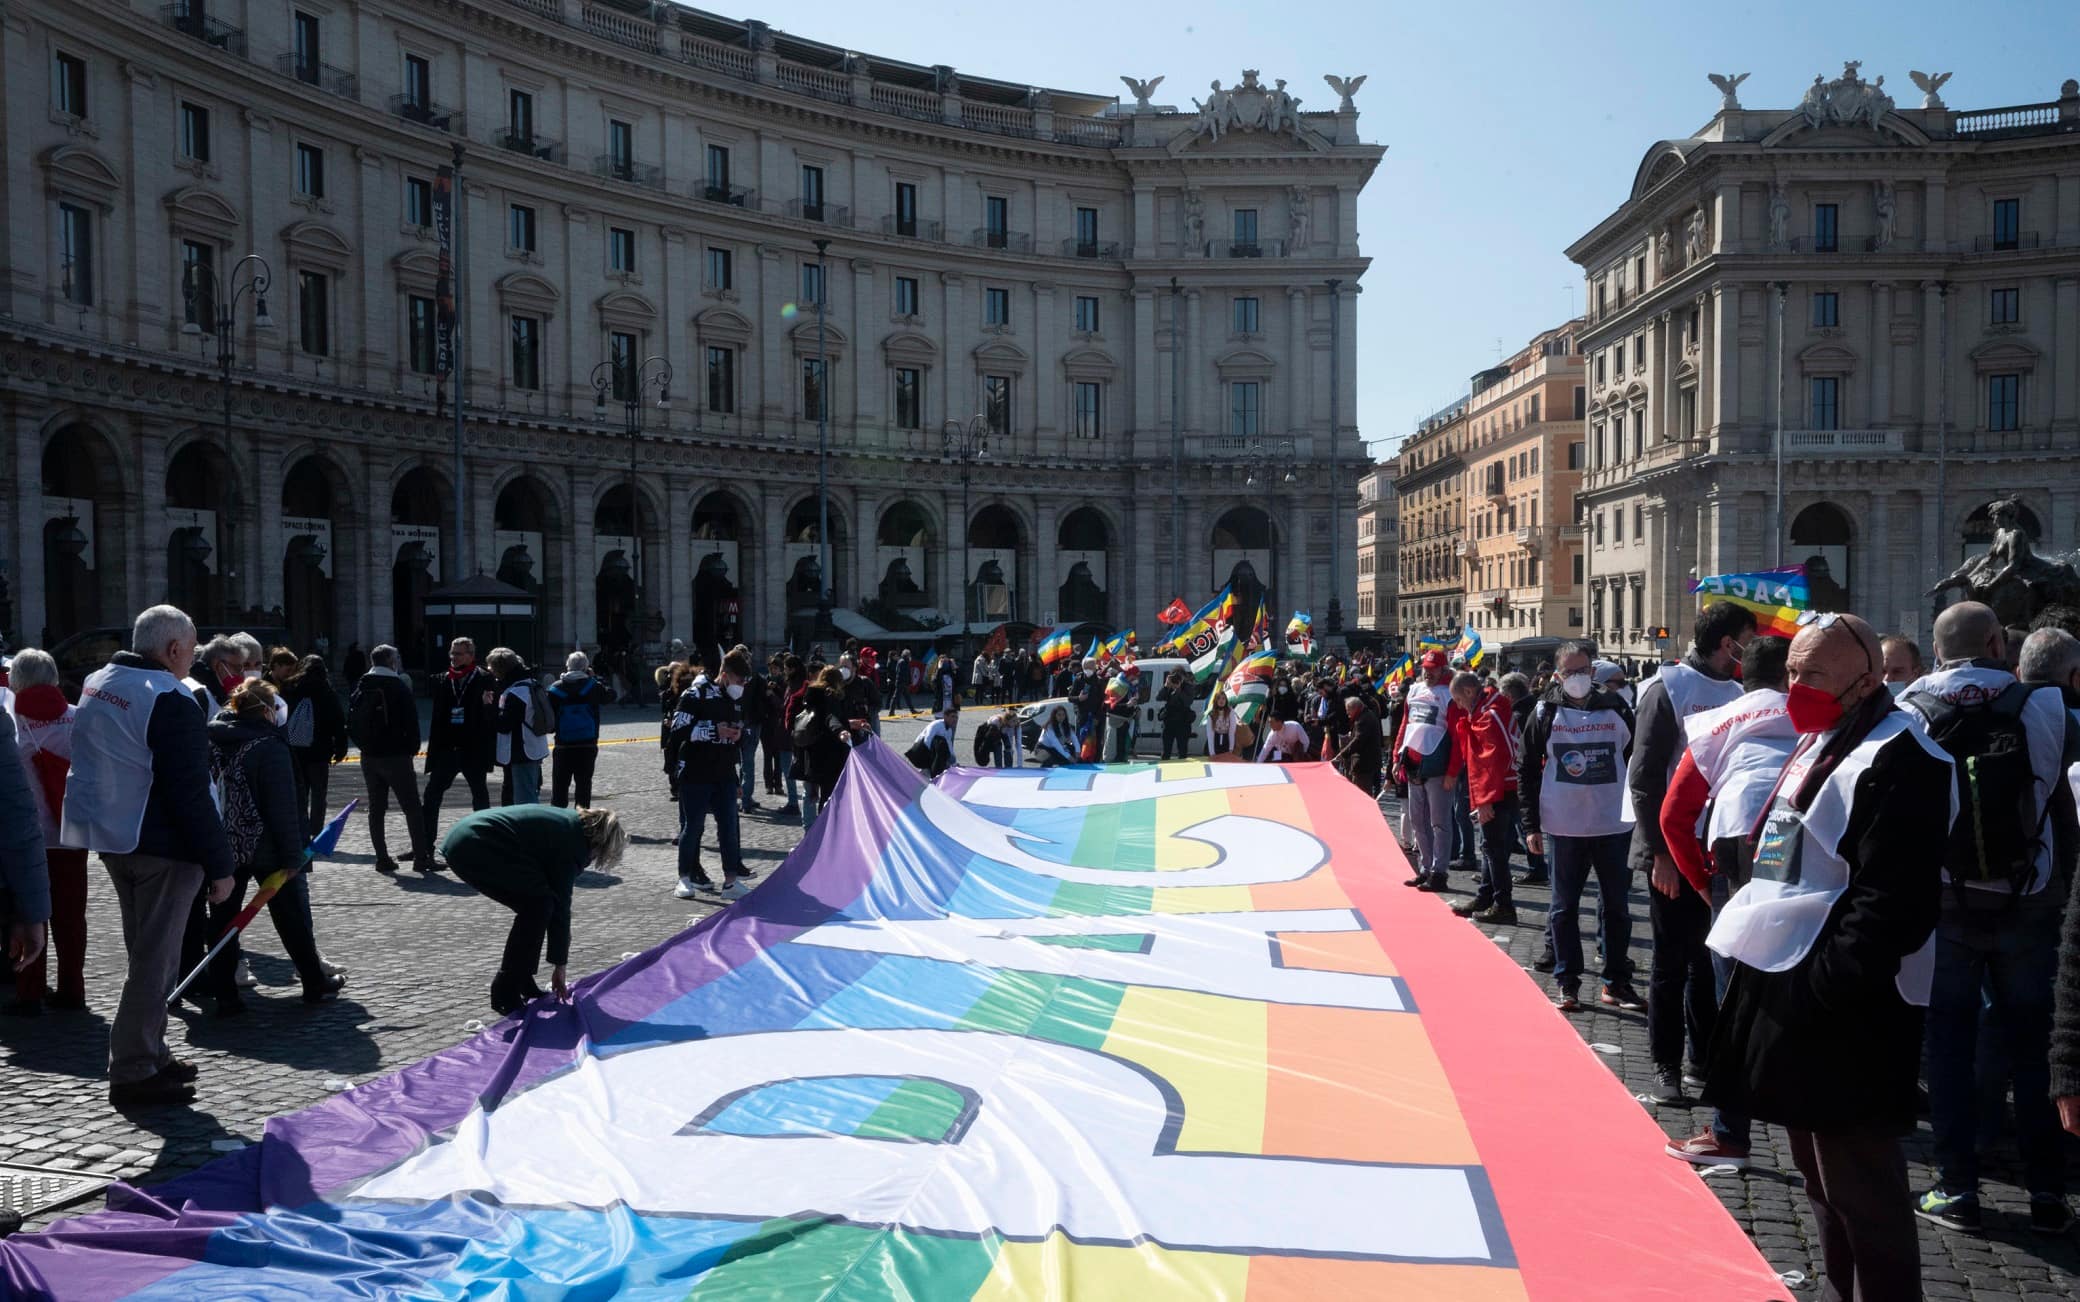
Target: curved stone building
<point>1151,314</point>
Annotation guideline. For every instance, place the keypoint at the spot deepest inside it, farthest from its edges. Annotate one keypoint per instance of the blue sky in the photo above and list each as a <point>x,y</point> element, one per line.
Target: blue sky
<point>1511,128</point>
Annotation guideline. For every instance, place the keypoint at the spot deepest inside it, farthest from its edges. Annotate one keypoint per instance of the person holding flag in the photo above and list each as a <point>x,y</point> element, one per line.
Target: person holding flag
<point>1428,760</point>
<point>1300,634</point>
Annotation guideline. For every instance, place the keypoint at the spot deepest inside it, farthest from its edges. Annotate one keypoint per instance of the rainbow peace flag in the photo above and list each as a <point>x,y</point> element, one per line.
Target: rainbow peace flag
<point>1775,596</point>
<point>1056,647</point>
<point>1145,1031</point>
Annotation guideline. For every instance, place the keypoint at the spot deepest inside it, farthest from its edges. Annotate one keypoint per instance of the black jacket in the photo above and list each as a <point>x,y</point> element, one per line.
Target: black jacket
<point>1656,747</point>
<point>1538,729</point>
<point>465,719</point>
<point>329,732</point>
<point>1178,710</point>
<point>1830,1045</point>
<point>383,716</point>
<point>858,698</point>
<point>698,752</point>
<point>824,759</point>
<point>269,777</point>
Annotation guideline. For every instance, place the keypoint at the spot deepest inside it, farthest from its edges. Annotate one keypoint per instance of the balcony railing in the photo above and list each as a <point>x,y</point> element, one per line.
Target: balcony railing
<point>426,114</point>
<point>2017,118</point>
<point>1245,248</point>
<point>1814,244</point>
<point>1000,118</point>
<point>988,237</point>
<point>1843,442</point>
<point>620,28</point>
<point>2004,244</point>
<point>729,60</point>
<point>613,168</point>
<point>915,228</point>
<point>331,80</point>
<point>831,214</point>
<point>905,102</point>
<point>1071,129</point>
<point>818,83</point>
<point>1075,248</point>
<point>184,19</point>
<point>532,145</point>
<point>736,196</point>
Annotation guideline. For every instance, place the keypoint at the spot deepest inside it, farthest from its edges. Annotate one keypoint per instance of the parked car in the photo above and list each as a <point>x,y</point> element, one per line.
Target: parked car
<point>84,652</point>
<point>1149,741</point>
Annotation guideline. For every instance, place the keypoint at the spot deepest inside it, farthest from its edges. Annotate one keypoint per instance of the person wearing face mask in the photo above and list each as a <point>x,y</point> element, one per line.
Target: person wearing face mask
<point>220,666</point>
<point>1428,760</point>
<point>703,744</point>
<point>1571,788</point>
<point>1902,663</point>
<point>857,696</point>
<point>1821,1028</point>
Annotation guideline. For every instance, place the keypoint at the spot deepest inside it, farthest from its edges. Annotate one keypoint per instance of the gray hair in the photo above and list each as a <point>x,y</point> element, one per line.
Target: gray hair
<point>502,660</point>
<point>249,646</point>
<point>1584,649</point>
<point>32,668</point>
<point>604,836</point>
<point>224,646</point>
<point>158,625</point>
<point>2050,655</point>
<point>1515,686</point>
<point>469,642</point>
<point>384,655</point>
<point>577,662</point>
<point>1468,681</point>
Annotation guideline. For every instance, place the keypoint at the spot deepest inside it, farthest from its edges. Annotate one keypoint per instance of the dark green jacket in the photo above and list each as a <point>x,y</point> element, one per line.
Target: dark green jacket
<point>523,850</point>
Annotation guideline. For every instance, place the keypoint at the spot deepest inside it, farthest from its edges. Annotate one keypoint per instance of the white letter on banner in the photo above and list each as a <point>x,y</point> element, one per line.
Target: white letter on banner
<point>1252,850</point>
<point>1230,954</point>
<point>1077,788</point>
<point>1062,1139</point>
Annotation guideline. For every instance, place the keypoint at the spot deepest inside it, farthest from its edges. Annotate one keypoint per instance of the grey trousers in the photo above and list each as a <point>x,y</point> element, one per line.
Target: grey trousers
<point>1430,816</point>
<point>392,776</point>
<point>154,896</point>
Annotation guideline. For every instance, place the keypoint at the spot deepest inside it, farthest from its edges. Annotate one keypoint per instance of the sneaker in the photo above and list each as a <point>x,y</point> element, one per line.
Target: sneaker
<point>1546,960</point>
<point>1704,1149</point>
<point>1434,884</point>
<point>1568,1002</point>
<point>692,886</point>
<point>326,991</point>
<point>1958,1212</point>
<point>244,975</point>
<point>386,865</point>
<point>1416,880</point>
<point>734,889</point>
<point>507,996</point>
<point>1467,908</point>
<point>155,1091</point>
<point>1497,915</point>
<point>186,1073</point>
<point>1620,994</point>
<point>2048,1214</point>
<point>1668,1085</point>
<point>1693,1077</point>
<point>430,864</point>
<point>1535,878</point>
<point>328,967</point>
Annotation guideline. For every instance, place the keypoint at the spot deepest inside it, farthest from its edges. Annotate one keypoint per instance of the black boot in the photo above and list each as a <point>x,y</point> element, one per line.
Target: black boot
<point>508,996</point>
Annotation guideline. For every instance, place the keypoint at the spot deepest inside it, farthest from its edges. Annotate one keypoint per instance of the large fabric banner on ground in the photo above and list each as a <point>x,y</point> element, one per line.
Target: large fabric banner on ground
<point>1139,1032</point>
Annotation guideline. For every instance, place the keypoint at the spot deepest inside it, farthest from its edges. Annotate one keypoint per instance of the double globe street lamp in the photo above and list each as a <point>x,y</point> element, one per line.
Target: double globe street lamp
<point>966,442</point>
<point>1271,463</point>
<point>629,380</point>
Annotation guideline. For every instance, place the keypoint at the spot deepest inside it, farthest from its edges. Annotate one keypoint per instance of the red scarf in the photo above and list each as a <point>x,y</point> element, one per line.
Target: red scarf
<point>44,703</point>
<point>460,675</point>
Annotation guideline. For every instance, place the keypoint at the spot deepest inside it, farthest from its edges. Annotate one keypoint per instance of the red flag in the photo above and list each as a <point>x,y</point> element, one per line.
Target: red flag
<point>1176,612</point>
<point>998,643</point>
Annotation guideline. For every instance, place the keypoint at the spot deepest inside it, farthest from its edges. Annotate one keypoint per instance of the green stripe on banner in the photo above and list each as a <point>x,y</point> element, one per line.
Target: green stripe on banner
<point>1122,944</point>
<point>1068,1010</point>
<point>819,1259</point>
<point>1118,836</point>
<point>917,1109</point>
<point>1082,900</point>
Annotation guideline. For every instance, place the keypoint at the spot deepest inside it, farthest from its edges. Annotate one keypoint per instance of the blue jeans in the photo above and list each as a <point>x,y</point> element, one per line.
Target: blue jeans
<point>2004,958</point>
<point>747,766</point>
<point>1573,859</point>
<point>1464,842</point>
<point>523,783</point>
<point>792,784</point>
<point>1430,822</point>
<point>696,801</point>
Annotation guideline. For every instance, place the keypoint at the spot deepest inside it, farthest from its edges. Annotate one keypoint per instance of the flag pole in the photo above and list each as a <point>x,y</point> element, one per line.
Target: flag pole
<point>322,844</point>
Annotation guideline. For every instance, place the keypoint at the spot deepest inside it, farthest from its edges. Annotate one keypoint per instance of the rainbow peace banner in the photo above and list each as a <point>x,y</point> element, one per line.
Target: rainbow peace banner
<point>1056,647</point>
<point>1776,597</point>
<point>1144,1031</point>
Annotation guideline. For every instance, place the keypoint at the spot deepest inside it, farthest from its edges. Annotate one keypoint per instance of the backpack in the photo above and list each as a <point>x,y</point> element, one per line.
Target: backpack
<point>577,720</point>
<point>1998,829</point>
<point>368,717</point>
<point>302,730</point>
<point>541,714</point>
<point>805,730</point>
<point>240,813</point>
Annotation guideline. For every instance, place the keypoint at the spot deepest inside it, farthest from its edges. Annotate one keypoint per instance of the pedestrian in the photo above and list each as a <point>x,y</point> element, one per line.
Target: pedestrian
<point>1057,745</point>
<point>1427,760</point>
<point>857,692</point>
<point>139,797</point>
<point>1571,784</point>
<point>1218,731</point>
<point>823,744</point>
<point>1902,663</point>
<point>577,698</point>
<point>899,682</point>
<point>754,726</point>
<point>43,725</point>
<point>706,730</point>
<point>283,668</point>
<point>774,740</point>
<point>1177,714</point>
<point>1491,784</point>
<point>219,666</point>
<point>463,739</point>
<point>317,737</point>
<point>1285,741</point>
<point>251,764</point>
<point>1523,697</point>
<point>1365,745</point>
<point>1123,713</point>
<point>25,882</point>
<point>525,723</point>
<point>1680,987</point>
<point>1996,946</point>
<point>529,858</point>
<point>787,686</point>
<point>1821,1028</point>
<point>384,723</point>
<point>946,691</point>
<point>355,664</point>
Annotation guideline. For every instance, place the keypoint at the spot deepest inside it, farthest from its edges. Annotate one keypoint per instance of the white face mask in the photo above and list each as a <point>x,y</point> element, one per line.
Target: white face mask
<point>844,673</point>
<point>735,690</point>
<point>281,713</point>
<point>251,674</point>
<point>1895,689</point>
<point>1578,686</point>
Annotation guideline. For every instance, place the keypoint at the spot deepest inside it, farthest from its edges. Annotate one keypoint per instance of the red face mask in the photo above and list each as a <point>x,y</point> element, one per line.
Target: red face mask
<point>1811,709</point>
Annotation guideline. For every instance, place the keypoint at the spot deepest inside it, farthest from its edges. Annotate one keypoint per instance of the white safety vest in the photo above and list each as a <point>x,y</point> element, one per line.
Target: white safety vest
<point>1689,693</point>
<point>1740,748</point>
<point>111,758</point>
<point>1424,730</point>
<point>2043,721</point>
<point>533,746</point>
<point>1798,872</point>
<point>1583,793</point>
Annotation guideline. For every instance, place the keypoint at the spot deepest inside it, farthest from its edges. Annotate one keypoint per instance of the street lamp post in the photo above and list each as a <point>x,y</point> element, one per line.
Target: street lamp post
<point>218,314</point>
<point>967,442</point>
<point>1334,616</point>
<point>616,374</point>
<point>1266,459</point>
<point>823,451</point>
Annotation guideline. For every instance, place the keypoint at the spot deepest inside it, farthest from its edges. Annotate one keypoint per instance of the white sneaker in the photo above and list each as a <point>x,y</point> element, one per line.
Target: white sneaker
<point>245,978</point>
<point>688,888</point>
<point>328,967</point>
<point>734,890</point>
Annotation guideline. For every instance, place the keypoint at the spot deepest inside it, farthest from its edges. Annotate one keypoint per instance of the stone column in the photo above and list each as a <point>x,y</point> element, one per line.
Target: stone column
<point>1664,351</point>
<point>1299,367</point>
<point>862,358</point>
<point>263,521</point>
<point>1046,594</point>
<point>1045,383</point>
<point>1135,596</point>
<point>939,395</point>
<point>1145,366</point>
<point>2065,357</point>
<point>1931,362</point>
<point>765,362</point>
<point>145,567</point>
<point>583,568</point>
<point>1195,360</point>
<point>1880,412</point>
<point>1143,240</point>
<point>148,280</point>
<point>1724,380</point>
<point>866,531</point>
<point>1935,216</point>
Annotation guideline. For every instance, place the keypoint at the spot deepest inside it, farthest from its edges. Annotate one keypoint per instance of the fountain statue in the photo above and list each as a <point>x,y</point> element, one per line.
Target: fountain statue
<point>2009,576</point>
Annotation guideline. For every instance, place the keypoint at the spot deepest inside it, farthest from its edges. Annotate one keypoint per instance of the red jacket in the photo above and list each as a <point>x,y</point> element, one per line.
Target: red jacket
<point>1687,795</point>
<point>1489,739</point>
<point>1405,760</point>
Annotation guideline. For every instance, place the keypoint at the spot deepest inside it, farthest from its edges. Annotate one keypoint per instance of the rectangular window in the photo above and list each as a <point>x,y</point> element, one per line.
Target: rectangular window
<point>1826,228</point>
<point>812,284</point>
<point>1617,436</point>
<point>520,117</point>
<point>1245,402</point>
<point>2003,402</point>
<point>1827,310</point>
<point>1245,226</point>
<point>2007,306</point>
<point>1639,607</point>
<point>996,221</point>
<point>621,147</point>
<point>621,358</point>
<point>69,84</point>
<point>909,398</point>
<point>1639,352</point>
<point>906,296</point>
<point>1618,525</point>
<point>2007,223</point>
<point>1574,456</point>
<point>1246,315</point>
<point>996,307</point>
<point>722,380</point>
<point>718,171</point>
<point>527,353</point>
<point>719,269</point>
<point>996,402</point>
<point>418,201</point>
<point>812,388</point>
<point>1601,371</point>
<point>76,242</point>
<point>1087,314</point>
<point>621,249</point>
<point>1086,232</point>
<point>1825,394</point>
<point>1639,532</point>
<point>194,132</point>
<point>198,284</point>
<point>307,52</point>
<point>314,313</point>
<point>906,208</point>
<point>520,228</point>
<point>419,326</point>
<point>812,193</point>
<point>418,83</point>
<point>310,171</point>
<point>1578,569</point>
<point>1090,410</point>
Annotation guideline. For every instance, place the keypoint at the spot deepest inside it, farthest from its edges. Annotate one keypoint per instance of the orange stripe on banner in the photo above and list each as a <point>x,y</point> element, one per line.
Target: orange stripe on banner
<point>1287,804</point>
<point>1313,1279</point>
<point>1333,951</point>
<point>1360,1085</point>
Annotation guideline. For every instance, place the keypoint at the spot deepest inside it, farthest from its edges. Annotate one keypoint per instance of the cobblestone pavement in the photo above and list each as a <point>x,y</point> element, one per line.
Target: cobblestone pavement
<point>420,952</point>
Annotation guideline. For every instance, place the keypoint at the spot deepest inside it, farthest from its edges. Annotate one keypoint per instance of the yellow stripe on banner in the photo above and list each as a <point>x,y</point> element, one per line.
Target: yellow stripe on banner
<point>1212,1051</point>
<point>1058,1267</point>
<point>1201,899</point>
<point>1173,815</point>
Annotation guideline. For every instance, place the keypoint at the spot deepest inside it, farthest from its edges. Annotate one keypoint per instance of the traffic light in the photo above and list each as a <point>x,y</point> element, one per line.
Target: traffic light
<point>1660,633</point>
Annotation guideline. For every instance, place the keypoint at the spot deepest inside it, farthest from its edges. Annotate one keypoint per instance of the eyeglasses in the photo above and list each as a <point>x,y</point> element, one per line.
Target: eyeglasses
<point>1818,618</point>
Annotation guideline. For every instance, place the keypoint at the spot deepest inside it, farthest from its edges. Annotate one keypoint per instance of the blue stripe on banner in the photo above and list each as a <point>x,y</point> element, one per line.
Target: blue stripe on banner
<point>995,890</point>
<point>903,992</point>
<point>752,998</point>
<point>821,1105</point>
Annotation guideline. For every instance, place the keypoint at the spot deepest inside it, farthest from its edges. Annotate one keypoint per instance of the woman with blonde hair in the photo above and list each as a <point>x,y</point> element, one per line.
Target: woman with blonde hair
<point>528,858</point>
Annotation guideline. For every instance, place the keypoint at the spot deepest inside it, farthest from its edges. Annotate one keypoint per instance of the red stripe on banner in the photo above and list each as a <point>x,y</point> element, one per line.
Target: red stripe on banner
<point>1592,1206</point>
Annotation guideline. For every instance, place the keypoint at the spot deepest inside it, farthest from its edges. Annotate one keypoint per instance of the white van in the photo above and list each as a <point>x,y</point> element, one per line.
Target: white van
<point>1149,740</point>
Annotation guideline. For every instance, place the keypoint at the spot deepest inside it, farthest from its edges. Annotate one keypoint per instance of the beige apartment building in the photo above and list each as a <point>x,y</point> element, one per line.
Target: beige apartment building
<point>1430,488</point>
<point>1379,552</point>
<point>1523,454</point>
<point>1828,335</point>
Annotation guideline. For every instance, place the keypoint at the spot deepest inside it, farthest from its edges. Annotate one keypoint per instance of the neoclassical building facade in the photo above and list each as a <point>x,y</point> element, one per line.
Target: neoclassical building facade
<point>1140,322</point>
<point>1828,336</point>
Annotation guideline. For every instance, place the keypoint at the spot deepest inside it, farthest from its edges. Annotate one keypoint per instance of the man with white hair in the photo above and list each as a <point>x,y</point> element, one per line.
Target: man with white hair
<point>576,697</point>
<point>139,796</point>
